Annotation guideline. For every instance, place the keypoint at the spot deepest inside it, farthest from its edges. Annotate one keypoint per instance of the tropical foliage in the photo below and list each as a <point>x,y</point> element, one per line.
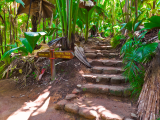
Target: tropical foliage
<point>111,17</point>
<point>135,55</point>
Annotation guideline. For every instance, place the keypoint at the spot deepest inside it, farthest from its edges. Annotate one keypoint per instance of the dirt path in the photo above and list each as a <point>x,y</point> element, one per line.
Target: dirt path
<point>32,103</point>
<point>106,94</point>
<point>38,102</point>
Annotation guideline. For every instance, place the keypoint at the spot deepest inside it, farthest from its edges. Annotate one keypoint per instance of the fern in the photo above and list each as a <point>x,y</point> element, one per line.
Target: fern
<point>135,54</point>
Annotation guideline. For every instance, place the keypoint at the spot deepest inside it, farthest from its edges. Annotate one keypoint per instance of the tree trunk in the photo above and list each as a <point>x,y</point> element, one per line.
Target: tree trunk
<point>5,43</point>
<point>148,103</point>
<point>1,41</point>
<point>136,8</point>
<point>44,23</point>
<point>34,23</point>
<point>10,12</point>
<point>154,6</point>
<point>126,11</point>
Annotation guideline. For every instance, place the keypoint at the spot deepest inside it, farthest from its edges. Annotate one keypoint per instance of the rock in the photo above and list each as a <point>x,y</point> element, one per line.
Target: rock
<point>134,116</point>
<point>79,85</point>
<point>70,96</point>
<point>71,108</point>
<point>60,105</point>
<point>128,119</point>
<point>88,113</point>
<point>75,91</point>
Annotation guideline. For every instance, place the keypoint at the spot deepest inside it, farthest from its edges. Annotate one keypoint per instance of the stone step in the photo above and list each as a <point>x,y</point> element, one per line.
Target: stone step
<point>120,91</point>
<point>100,51</point>
<point>103,43</point>
<point>105,79</point>
<point>100,55</point>
<point>111,55</point>
<point>94,109</point>
<point>116,63</point>
<point>106,70</point>
<point>102,47</point>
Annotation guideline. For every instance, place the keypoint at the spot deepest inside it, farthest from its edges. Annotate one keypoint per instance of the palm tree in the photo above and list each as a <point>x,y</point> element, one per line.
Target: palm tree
<point>38,9</point>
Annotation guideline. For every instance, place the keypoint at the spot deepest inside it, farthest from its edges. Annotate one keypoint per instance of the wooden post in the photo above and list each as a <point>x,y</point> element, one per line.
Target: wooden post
<point>52,55</point>
<point>52,64</point>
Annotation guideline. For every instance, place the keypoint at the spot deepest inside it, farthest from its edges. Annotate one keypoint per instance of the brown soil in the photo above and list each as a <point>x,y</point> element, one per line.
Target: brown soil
<point>36,101</point>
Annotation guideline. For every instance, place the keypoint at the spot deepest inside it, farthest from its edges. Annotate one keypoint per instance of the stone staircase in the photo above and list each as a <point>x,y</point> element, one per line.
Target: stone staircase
<point>105,77</point>
<point>106,73</point>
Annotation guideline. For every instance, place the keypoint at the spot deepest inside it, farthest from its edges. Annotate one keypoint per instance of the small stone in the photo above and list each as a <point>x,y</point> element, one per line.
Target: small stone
<point>60,105</point>
<point>79,85</point>
<point>128,119</point>
<point>71,108</point>
<point>75,91</point>
<point>88,113</point>
<point>70,96</point>
<point>134,115</point>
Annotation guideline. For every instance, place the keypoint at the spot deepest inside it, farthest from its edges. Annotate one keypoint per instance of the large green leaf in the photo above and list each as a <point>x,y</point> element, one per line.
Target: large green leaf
<point>90,13</point>
<point>144,53</point>
<point>82,15</point>
<point>154,22</point>
<point>26,44</point>
<point>6,54</point>
<point>33,37</point>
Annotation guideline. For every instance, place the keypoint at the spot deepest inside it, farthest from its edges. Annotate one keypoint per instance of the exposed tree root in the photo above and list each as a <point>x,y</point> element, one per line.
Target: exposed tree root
<point>21,68</point>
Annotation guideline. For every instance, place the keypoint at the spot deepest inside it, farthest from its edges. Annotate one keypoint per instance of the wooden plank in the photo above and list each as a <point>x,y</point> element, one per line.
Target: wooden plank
<point>64,54</point>
<point>43,54</point>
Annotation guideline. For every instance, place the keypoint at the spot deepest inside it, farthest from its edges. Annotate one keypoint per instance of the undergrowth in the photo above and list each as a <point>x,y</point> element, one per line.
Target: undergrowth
<point>115,41</point>
<point>135,54</point>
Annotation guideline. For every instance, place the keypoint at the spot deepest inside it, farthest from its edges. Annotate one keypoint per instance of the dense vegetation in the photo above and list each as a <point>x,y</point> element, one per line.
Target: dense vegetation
<point>110,18</point>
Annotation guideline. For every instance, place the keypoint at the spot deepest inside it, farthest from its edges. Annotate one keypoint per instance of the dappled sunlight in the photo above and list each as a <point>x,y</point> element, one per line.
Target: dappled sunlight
<point>32,108</point>
<point>42,109</point>
<point>109,114</point>
<point>81,72</point>
<point>99,110</point>
<point>105,112</point>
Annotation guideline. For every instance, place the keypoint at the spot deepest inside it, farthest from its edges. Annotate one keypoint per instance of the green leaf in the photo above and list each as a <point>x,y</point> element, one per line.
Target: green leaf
<point>49,31</point>
<point>142,35</point>
<point>90,13</point>
<point>8,53</point>
<point>154,22</point>
<point>136,19</point>
<point>79,23</point>
<point>82,15</point>
<point>137,24</point>
<point>123,26</point>
<point>33,37</point>
<point>26,44</point>
<point>144,53</point>
<point>129,26</point>
<point>21,2</point>
<point>159,35</point>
